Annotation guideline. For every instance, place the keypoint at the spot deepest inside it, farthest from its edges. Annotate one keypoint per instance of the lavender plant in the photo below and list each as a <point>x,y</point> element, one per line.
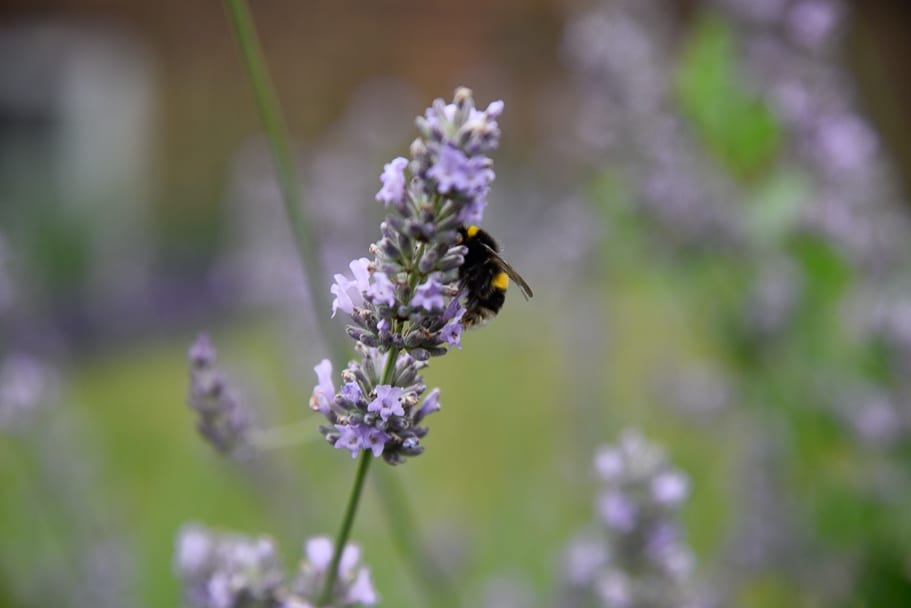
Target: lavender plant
<point>637,556</point>
<point>403,307</point>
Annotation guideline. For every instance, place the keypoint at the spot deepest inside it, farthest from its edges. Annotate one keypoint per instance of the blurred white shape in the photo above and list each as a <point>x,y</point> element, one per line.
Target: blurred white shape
<point>79,106</point>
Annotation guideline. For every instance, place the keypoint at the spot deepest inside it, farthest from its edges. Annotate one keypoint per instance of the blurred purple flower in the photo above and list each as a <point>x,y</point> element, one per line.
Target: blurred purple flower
<point>638,558</point>
<point>225,570</point>
<point>224,421</point>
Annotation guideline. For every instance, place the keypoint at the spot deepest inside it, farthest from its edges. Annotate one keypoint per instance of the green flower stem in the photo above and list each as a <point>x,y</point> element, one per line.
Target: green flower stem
<point>270,116</point>
<point>359,477</point>
<point>345,531</point>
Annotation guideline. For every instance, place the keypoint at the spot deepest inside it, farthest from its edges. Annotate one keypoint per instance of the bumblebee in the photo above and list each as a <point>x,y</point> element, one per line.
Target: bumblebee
<point>484,277</point>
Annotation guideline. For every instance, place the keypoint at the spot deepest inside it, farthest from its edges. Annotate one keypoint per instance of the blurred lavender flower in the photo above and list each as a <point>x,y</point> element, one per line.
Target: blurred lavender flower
<point>404,304</point>
<point>638,557</point>
<point>855,203</point>
<point>824,175</point>
<point>222,570</point>
<point>877,420</point>
<point>627,59</point>
<point>224,420</point>
<point>353,587</point>
<point>624,57</point>
<point>26,386</point>
<point>226,570</point>
<point>812,22</point>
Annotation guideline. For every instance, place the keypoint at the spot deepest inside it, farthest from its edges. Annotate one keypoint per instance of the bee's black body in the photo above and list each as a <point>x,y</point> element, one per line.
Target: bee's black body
<point>484,276</point>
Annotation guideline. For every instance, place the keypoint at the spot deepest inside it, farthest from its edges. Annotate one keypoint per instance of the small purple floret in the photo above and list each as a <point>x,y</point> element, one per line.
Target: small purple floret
<point>387,401</point>
<point>349,293</point>
<point>429,295</point>
<point>393,178</point>
<point>351,391</point>
<point>452,331</point>
<point>456,173</point>
<point>430,405</point>
<point>381,290</point>
<point>472,213</point>
<point>349,439</point>
<point>375,441</point>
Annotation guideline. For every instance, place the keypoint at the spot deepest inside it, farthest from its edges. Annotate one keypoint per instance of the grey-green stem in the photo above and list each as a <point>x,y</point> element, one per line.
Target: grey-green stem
<point>353,500</point>
<point>269,111</point>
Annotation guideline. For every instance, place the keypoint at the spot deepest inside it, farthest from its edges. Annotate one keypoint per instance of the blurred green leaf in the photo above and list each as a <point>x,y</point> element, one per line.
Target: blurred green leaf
<point>775,206</point>
<point>733,123</point>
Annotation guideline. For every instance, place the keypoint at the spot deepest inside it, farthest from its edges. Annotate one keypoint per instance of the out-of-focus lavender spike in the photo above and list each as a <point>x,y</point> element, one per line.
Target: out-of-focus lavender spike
<point>635,554</point>
<point>224,420</point>
<point>227,570</point>
<point>26,387</point>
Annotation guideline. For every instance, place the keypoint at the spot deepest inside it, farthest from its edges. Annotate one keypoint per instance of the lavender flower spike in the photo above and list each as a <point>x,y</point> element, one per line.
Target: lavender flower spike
<point>224,420</point>
<point>221,569</point>
<point>638,557</point>
<point>225,570</point>
<point>403,305</point>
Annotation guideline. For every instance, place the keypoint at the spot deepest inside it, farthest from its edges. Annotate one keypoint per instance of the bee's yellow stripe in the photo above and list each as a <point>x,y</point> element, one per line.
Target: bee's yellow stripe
<point>472,231</point>
<point>500,281</point>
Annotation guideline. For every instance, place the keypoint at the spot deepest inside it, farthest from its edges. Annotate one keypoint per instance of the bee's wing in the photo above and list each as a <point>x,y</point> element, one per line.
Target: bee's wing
<point>511,272</point>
